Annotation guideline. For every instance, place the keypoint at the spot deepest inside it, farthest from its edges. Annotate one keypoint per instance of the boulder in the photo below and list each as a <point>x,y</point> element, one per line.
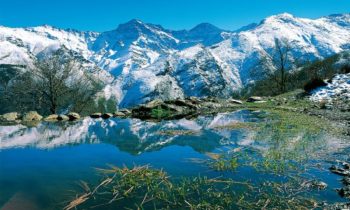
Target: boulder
<point>107,115</point>
<point>32,116</point>
<point>73,116</point>
<point>255,99</point>
<point>63,117</point>
<point>96,115</point>
<point>119,114</point>
<point>52,117</point>
<point>125,111</point>
<point>8,117</point>
<point>235,101</point>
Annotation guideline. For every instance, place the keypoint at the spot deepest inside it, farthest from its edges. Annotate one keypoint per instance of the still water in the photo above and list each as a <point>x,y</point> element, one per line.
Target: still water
<point>40,166</point>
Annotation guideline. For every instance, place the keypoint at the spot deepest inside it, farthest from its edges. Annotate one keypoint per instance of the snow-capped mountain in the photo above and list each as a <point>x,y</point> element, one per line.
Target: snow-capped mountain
<point>148,61</point>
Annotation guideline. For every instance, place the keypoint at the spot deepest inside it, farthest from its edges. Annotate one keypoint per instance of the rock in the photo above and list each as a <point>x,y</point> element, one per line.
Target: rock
<point>125,111</point>
<point>235,101</point>
<point>63,117</point>
<point>119,114</point>
<point>255,99</point>
<point>172,108</point>
<point>12,116</point>
<point>32,116</point>
<point>346,165</point>
<point>153,104</point>
<point>107,115</point>
<point>346,181</point>
<point>182,102</point>
<point>321,185</point>
<point>73,116</point>
<point>344,192</point>
<point>315,184</point>
<point>96,115</point>
<point>52,117</point>
<point>339,171</point>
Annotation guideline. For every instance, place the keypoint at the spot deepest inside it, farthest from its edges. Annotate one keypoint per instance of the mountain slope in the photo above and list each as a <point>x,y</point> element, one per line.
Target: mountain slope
<point>148,61</point>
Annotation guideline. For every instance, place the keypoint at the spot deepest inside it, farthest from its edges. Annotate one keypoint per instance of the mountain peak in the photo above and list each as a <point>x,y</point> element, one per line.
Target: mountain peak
<point>205,27</point>
<point>134,22</point>
<point>284,15</point>
<point>280,17</point>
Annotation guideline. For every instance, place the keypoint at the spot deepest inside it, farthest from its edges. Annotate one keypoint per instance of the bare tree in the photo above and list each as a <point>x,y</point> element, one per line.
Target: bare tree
<point>54,84</point>
<point>277,64</point>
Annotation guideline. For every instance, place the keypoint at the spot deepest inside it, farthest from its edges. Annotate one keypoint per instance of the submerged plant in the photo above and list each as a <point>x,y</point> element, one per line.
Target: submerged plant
<point>146,188</point>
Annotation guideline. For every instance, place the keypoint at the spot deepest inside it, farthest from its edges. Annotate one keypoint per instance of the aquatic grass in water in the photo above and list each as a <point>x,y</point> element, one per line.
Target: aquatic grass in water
<point>141,187</point>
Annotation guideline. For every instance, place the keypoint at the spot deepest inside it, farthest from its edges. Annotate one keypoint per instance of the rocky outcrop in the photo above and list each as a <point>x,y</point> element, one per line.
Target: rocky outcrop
<point>181,108</point>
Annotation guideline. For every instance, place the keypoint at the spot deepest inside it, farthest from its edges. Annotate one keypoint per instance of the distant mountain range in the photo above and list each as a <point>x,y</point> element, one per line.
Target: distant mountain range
<point>142,61</point>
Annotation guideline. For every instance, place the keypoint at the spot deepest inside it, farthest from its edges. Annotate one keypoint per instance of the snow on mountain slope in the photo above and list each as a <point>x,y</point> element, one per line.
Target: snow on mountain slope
<point>20,45</point>
<point>148,61</point>
<point>204,33</point>
<point>309,40</point>
<point>132,45</point>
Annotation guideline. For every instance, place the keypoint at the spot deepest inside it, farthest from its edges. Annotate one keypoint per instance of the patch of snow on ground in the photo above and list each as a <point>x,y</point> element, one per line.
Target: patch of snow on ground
<point>338,88</point>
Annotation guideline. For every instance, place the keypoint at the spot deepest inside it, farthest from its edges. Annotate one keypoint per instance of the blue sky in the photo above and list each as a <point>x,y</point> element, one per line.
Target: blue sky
<point>105,15</point>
